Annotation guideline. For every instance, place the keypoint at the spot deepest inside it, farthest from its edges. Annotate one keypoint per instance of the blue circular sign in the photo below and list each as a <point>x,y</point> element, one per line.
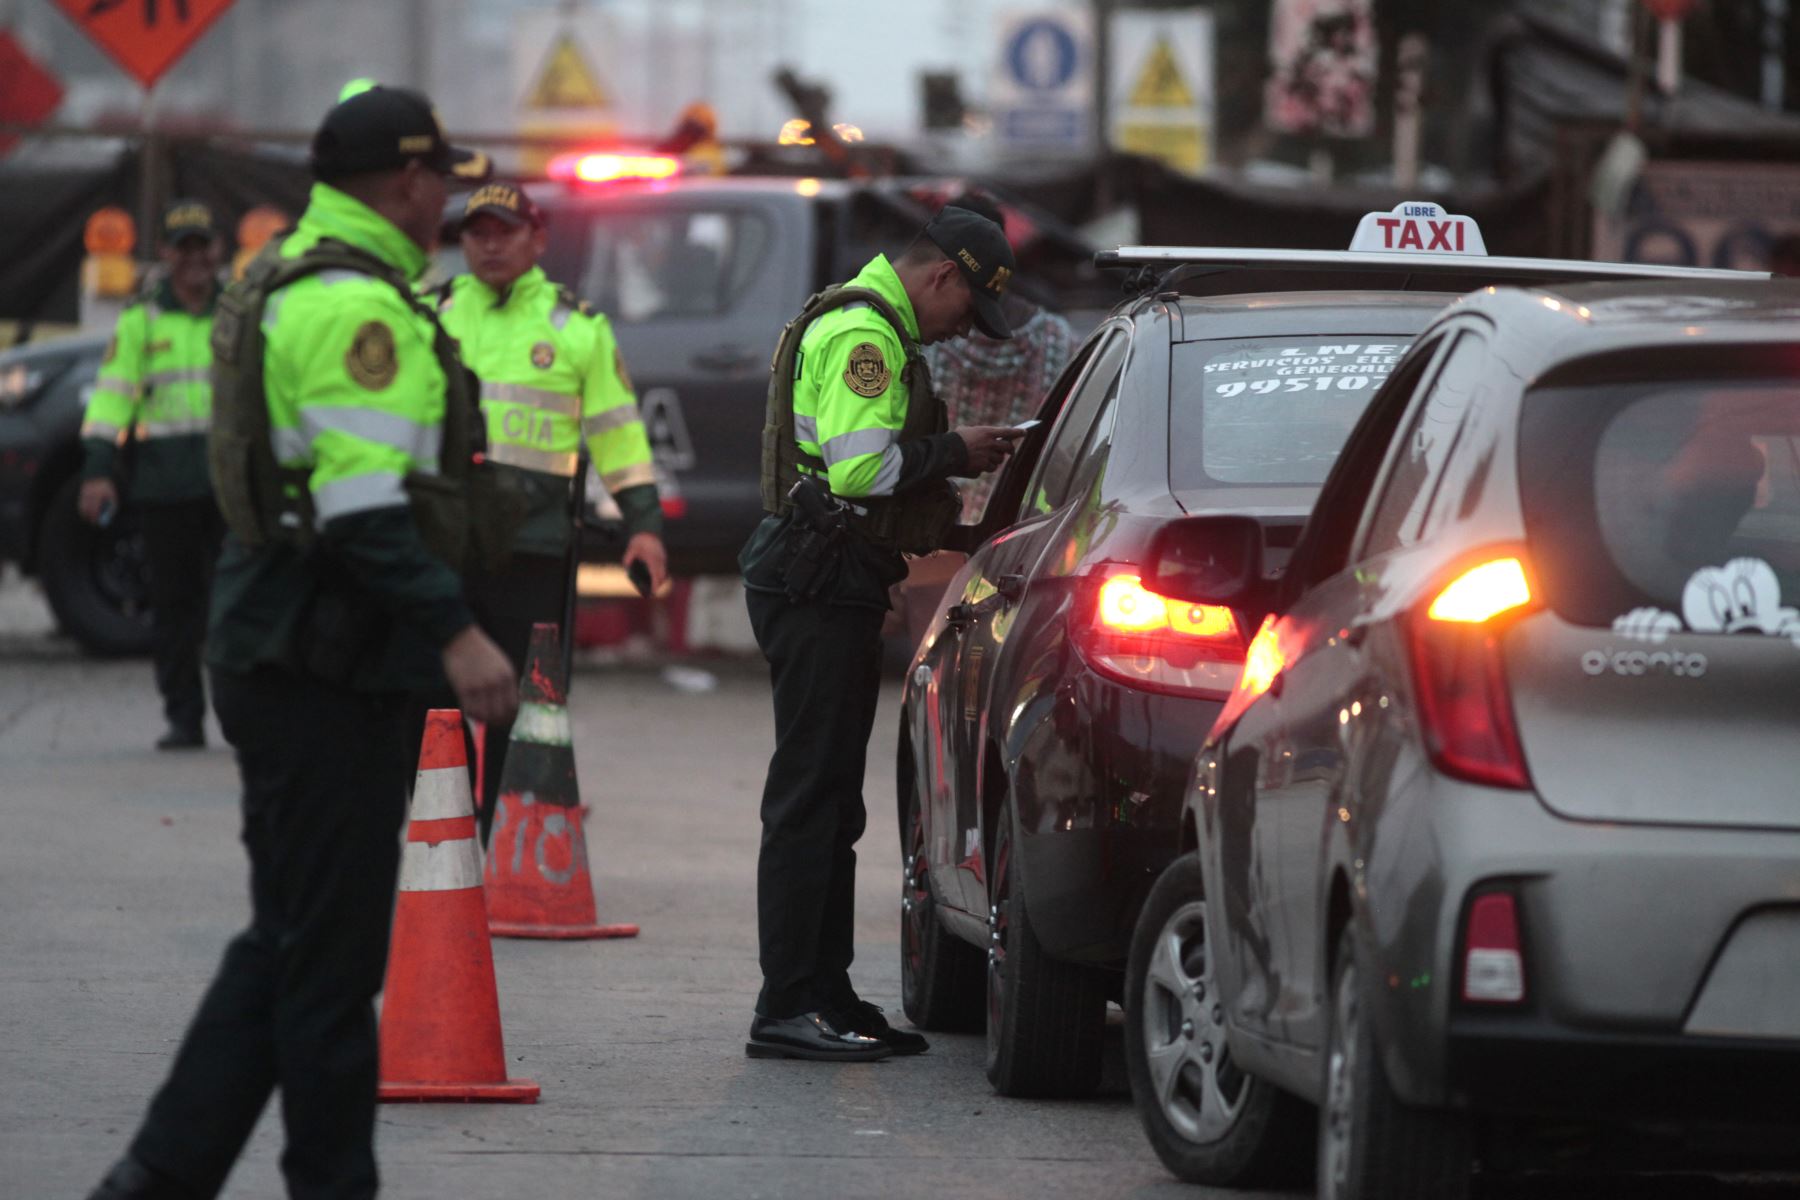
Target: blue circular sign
<point>1042,55</point>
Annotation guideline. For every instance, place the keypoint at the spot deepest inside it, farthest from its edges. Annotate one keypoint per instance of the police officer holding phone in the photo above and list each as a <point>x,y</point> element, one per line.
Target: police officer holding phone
<point>856,463</point>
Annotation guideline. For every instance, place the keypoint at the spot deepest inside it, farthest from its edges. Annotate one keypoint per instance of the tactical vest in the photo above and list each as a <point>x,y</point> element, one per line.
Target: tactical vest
<point>915,523</point>
<point>467,513</point>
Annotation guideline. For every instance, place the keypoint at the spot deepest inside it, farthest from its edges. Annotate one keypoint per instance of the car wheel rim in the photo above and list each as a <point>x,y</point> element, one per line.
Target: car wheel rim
<point>1341,1068</point>
<point>999,926</point>
<point>916,905</point>
<point>119,571</point>
<point>1198,1087</point>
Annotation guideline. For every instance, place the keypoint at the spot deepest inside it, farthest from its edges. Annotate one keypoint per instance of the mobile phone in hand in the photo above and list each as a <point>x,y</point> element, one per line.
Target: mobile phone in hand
<point>639,574</point>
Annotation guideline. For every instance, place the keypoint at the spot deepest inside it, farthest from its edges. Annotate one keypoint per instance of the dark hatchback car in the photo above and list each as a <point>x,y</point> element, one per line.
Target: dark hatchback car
<point>1052,712</point>
<point>1498,841</point>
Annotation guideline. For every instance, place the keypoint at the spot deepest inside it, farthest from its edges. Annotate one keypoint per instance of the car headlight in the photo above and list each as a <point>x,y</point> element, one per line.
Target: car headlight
<point>17,383</point>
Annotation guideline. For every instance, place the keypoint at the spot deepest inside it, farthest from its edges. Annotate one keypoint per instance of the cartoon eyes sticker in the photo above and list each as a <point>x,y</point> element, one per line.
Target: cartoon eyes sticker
<point>1743,595</point>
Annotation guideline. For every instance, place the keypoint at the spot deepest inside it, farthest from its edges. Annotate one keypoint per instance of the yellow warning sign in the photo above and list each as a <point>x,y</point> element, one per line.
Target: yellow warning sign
<point>566,80</point>
<point>1160,83</point>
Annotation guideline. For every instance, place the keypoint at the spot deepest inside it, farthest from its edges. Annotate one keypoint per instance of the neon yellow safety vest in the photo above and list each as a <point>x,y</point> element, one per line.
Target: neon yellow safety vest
<point>551,377</point>
<point>154,389</point>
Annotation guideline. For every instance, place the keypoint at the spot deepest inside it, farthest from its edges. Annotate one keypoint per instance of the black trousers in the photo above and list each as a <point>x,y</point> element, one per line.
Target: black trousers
<point>181,544</point>
<point>324,773</point>
<point>825,665</point>
<point>506,604</point>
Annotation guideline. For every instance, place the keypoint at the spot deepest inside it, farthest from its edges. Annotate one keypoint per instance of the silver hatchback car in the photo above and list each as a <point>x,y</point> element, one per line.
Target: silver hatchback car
<point>1496,846</point>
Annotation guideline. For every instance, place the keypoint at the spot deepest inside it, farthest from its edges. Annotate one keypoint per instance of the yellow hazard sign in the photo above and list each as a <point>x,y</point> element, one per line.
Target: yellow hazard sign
<point>1160,83</point>
<point>566,80</point>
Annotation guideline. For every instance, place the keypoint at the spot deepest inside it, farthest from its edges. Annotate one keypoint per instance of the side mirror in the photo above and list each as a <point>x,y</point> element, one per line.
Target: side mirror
<point>1209,560</point>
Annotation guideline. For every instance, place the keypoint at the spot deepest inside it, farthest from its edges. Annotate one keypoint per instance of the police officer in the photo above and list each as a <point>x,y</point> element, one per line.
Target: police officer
<point>855,467</point>
<point>153,391</point>
<point>551,378</point>
<point>318,634</point>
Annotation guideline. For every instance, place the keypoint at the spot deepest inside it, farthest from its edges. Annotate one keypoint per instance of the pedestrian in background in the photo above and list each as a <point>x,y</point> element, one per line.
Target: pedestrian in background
<point>552,379</point>
<point>326,617</point>
<point>856,459</point>
<point>146,423</point>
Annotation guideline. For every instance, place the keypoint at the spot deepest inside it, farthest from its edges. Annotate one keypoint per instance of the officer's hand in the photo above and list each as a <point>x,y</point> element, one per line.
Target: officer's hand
<point>481,676</point>
<point>96,495</point>
<point>989,445</point>
<point>647,548</point>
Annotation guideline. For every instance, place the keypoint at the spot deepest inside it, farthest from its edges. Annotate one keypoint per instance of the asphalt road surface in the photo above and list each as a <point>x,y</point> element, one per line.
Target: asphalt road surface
<point>121,879</point>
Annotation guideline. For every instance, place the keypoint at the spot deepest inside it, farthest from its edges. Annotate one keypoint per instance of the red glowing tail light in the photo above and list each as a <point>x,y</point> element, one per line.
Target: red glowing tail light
<point>1153,642</point>
<point>1465,708</point>
<point>612,168</point>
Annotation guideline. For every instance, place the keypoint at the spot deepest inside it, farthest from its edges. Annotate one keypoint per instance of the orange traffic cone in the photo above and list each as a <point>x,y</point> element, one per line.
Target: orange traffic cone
<point>440,1017</point>
<point>538,884</point>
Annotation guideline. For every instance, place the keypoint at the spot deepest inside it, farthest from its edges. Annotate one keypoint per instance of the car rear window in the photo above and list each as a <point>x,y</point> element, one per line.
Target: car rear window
<point>1674,504</point>
<point>1270,410</point>
<point>642,265</point>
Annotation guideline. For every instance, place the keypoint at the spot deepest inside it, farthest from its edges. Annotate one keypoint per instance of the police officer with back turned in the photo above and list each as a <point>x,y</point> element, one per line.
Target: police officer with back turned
<point>856,468</point>
<point>342,459</point>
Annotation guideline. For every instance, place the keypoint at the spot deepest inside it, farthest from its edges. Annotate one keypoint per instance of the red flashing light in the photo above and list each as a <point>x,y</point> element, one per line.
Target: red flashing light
<point>612,168</point>
<point>1152,642</point>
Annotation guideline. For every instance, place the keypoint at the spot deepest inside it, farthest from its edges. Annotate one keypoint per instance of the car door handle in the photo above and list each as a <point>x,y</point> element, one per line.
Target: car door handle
<point>725,359</point>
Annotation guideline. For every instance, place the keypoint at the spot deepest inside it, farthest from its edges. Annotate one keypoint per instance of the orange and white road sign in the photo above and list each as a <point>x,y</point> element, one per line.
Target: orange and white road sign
<point>144,36</point>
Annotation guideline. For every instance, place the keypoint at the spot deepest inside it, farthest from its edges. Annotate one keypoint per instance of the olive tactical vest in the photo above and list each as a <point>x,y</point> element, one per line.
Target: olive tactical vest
<point>915,523</point>
<point>467,513</point>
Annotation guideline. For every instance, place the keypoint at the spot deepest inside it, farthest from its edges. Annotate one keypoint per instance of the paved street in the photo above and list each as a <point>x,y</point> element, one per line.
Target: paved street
<point>121,879</point>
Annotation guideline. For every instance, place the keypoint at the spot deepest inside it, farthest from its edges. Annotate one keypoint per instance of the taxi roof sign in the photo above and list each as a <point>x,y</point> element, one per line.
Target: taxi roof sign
<point>1417,226</point>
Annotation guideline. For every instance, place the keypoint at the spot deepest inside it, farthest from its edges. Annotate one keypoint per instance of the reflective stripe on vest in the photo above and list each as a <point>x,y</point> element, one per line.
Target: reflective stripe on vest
<point>612,418</point>
<point>635,475</point>
<point>177,427</point>
<point>190,375</point>
<point>550,462</point>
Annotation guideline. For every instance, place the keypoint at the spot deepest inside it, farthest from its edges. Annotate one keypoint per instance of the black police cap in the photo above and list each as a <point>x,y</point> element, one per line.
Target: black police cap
<point>507,201</point>
<point>185,219</point>
<point>981,252</point>
<point>383,129</point>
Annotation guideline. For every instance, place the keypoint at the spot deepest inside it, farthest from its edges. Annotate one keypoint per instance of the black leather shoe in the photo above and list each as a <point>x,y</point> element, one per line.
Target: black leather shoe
<point>810,1036</point>
<point>182,739</point>
<point>132,1180</point>
<point>868,1020</point>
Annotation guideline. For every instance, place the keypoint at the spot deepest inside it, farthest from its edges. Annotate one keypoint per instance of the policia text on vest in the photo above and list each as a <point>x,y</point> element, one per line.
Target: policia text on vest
<point>855,437</point>
<point>146,426</point>
<point>352,536</point>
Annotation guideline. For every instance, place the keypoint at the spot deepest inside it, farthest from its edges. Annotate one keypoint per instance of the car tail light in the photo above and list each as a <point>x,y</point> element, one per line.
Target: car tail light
<point>612,168</point>
<point>1464,707</point>
<point>1493,964</point>
<point>1153,642</point>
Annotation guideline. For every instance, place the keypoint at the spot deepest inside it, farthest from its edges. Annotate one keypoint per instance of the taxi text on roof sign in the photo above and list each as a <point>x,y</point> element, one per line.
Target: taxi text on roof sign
<point>1418,225</point>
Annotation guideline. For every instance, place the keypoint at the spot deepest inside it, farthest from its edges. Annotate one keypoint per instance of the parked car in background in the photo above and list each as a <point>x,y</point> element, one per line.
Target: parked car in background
<point>1493,854</point>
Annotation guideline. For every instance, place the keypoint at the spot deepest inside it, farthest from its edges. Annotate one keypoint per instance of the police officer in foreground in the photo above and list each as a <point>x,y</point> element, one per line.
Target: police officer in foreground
<point>154,392</point>
<point>342,460</point>
<point>856,468</point>
<point>552,382</point>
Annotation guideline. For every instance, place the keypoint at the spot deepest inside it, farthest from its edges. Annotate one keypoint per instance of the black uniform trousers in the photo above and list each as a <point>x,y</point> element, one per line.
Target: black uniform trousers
<point>506,603</point>
<point>825,665</point>
<point>324,772</point>
<point>181,544</point>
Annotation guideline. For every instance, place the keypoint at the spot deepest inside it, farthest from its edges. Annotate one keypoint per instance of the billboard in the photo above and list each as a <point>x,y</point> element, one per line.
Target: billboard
<point>1703,214</point>
<point>1322,68</point>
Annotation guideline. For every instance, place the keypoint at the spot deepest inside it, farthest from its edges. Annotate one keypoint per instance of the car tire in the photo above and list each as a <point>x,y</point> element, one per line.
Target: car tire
<point>941,976</point>
<point>1371,1145</point>
<point>1208,1120</point>
<point>96,580</point>
<point>1045,1017</point>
